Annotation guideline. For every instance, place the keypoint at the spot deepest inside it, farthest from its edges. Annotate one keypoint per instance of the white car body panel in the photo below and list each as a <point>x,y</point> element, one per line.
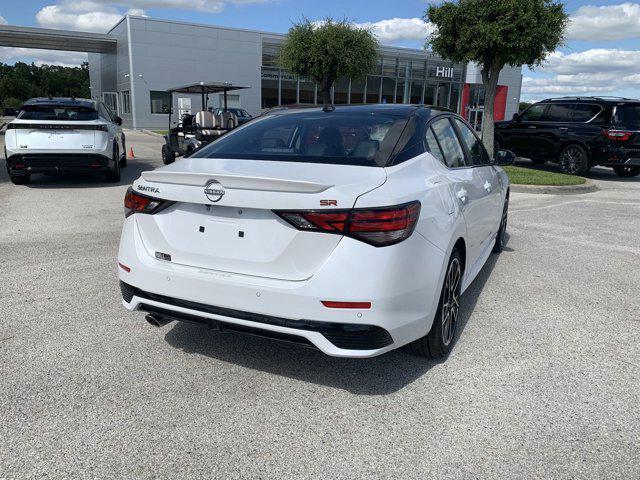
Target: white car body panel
<point>279,271</point>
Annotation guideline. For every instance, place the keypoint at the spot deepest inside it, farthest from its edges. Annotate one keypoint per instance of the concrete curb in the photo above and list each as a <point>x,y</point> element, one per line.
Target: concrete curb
<point>587,187</point>
<point>153,134</point>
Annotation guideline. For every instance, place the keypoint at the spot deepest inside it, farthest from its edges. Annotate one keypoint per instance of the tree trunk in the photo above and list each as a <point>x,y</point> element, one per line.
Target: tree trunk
<point>325,88</point>
<point>490,75</point>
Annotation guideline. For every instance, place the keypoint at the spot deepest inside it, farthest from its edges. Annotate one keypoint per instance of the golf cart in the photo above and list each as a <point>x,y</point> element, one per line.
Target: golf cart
<point>193,131</point>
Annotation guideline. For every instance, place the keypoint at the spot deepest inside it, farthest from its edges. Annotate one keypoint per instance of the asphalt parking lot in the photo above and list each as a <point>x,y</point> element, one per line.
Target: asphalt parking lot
<point>544,381</point>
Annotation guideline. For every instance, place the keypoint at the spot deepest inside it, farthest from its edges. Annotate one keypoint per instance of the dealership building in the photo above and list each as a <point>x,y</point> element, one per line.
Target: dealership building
<point>134,64</point>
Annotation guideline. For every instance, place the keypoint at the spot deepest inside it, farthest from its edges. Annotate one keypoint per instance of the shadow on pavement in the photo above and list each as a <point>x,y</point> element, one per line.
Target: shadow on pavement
<point>381,375</point>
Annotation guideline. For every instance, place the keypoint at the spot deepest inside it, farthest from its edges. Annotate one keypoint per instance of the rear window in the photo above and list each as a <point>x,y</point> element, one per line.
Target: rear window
<point>57,112</point>
<point>627,116</point>
<point>365,139</point>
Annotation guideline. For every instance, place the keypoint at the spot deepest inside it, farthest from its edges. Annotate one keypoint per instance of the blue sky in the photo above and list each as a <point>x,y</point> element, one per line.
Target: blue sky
<point>601,54</point>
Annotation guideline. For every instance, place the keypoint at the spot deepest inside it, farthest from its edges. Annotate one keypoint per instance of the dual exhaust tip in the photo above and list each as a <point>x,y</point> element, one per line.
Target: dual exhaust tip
<point>157,320</point>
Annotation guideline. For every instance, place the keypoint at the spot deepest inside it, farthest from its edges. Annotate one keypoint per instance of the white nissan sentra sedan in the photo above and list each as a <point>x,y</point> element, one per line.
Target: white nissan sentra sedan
<point>353,229</point>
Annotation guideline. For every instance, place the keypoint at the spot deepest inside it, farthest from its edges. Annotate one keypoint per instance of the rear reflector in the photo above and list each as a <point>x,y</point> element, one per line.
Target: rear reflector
<point>137,203</point>
<point>359,305</point>
<point>376,226</point>
<point>619,135</point>
<point>124,267</point>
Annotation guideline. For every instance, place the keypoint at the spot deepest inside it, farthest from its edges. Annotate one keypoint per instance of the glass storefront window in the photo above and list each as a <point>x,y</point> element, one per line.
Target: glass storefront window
<point>307,91</point>
<point>373,89</point>
<point>160,101</point>
<point>417,69</point>
<point>357,91</point>
<point>415,95</point>
<point>388,90</point>
<point>288,90</point>
<point>430,94</point>
<point>269,87</point>
<point>269,55</point>
<point>455,97</point>
<point>400,90</point>
<point>341,91</point>
<point>389,66</point>
<point>443,94</point>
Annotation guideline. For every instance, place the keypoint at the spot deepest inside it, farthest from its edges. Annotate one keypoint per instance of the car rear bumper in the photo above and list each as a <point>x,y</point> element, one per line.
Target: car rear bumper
<point>403,291</point>
<point>58,163</point>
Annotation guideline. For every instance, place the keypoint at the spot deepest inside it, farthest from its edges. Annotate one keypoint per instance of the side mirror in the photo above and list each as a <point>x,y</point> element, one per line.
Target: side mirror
<point>515,117</point>
<point>504,158</point>
<point>118,121</point>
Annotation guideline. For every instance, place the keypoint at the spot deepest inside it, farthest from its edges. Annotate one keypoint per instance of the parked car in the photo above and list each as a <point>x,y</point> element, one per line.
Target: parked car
<point>63,135</point>
<point>242,115</point>
<point>354,229</point>
<point>577,133</point>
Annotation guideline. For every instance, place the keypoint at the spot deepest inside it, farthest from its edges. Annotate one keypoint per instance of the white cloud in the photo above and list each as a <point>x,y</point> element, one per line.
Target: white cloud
<point>101,15</point>
<point>41,57</point>
<point>395,29</point>
<point>610,22</point>
<point>3,21</point>
<point>595,71</point>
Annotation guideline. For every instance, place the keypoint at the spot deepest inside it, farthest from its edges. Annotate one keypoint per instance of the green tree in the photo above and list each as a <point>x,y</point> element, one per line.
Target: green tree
<point>495,33</point>
<point>327,51</point>
<point>522,106</point>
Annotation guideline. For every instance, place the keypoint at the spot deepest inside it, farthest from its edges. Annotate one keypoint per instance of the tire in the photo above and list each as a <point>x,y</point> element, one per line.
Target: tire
<point>20,179</point>
<point>167,155</point>
<point>502,231</point>
<point>573,160</point>
<point>538,161</point>
<point>438,342</point>
<point>113,176</point>
<point>627,172</point>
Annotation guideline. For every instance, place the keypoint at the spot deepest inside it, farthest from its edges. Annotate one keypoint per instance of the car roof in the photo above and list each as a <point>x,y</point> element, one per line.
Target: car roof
<point>592,99</point>
<point>61,102</point>
<point>395,109</point>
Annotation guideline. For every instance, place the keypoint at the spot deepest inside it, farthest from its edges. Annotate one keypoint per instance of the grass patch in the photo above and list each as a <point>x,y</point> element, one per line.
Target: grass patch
<point>161,132</point>
<point>530,176</point>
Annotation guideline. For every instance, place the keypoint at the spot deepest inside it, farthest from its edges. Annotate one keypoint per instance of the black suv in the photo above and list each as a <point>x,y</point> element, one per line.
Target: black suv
<point>577,133</point>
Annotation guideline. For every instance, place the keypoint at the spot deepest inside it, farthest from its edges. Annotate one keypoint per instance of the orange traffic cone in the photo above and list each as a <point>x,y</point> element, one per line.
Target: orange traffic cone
<point>131,155</point>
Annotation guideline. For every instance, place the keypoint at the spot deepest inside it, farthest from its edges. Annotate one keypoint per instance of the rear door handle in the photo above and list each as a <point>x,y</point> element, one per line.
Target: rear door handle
<point>532,127</point>
<point>563,129</point>
<point>462,195</point>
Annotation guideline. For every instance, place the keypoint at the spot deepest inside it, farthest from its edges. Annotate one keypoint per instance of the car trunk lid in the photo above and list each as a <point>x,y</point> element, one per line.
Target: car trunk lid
<point>234,228</point>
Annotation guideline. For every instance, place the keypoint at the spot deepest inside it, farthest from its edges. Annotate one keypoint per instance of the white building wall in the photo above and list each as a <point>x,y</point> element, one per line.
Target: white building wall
<point>167,54</point>
<point>509,76</point>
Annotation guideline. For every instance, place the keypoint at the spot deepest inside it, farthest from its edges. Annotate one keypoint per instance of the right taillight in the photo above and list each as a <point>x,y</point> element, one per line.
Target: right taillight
<point>619,135</point>
<point>379,227</point>
<point>137,203</point>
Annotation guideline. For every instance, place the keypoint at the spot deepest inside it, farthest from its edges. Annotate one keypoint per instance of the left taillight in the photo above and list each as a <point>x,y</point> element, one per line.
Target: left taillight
<point>137,203</point>
<point>379,227</point>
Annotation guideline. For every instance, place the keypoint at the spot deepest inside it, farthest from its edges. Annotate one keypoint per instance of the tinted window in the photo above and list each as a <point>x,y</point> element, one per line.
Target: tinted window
<point>57,112</point>
<point>627,117</point>
<point>533,113</point>
<point>558,113</point>
<point>473,143</point>
<point>448,140</point>
<point>582,112</point>
<point>433,147</point>
<point>312,137</point>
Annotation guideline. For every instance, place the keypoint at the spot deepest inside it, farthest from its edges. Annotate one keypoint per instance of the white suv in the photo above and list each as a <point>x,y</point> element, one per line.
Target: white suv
<point>61,135</point>
<point>354,229</point>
